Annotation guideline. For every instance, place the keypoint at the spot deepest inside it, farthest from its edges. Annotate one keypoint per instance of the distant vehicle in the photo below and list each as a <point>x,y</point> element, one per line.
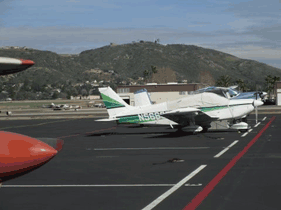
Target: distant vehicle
<point>8,99</point>
<point>61,106</point>
<point>75,107</point>
<point>100,105</point>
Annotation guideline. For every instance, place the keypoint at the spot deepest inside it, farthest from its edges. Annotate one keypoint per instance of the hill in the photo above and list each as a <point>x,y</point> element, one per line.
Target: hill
<point>115,64</point>
<point>187,62</point>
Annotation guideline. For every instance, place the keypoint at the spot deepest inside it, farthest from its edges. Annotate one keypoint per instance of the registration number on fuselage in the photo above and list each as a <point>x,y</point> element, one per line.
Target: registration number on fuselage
<point>150,116</point>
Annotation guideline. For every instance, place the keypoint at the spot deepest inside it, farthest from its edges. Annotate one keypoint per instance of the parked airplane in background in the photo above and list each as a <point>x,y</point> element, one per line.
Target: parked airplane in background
<point>232,93</point>
<point>142,98</point>
<point>21,154</point>
<point>192,113</point>
<point>61,106</point>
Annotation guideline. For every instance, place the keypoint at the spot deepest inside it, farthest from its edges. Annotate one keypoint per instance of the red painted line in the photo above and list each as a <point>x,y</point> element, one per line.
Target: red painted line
<point>197,200</point>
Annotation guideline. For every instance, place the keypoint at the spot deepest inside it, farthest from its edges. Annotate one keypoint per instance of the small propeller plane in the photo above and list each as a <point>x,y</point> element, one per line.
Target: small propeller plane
<point>232,92</point>
<point>193,113</point>
<point>20,154</point>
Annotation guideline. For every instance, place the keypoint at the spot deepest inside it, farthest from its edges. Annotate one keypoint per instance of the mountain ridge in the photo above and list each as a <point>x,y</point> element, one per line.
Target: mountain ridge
<point>187,63</point>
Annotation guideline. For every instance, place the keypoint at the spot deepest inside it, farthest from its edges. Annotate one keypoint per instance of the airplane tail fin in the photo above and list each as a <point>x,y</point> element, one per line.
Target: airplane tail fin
<point>113,102</point>
<point>142,98</point>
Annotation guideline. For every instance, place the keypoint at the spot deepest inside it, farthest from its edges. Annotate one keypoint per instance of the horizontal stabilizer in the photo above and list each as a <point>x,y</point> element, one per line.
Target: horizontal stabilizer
<point>107,119</point>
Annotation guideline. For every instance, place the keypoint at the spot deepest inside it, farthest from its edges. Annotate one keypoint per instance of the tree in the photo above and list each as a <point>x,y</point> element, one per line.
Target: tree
<point>55,95</point>
<point>147,74</point>
<point>154,70</point>
<point>270,83</point>
<point>84,92</point>
<point>242,85</point>
<point>224,81</point>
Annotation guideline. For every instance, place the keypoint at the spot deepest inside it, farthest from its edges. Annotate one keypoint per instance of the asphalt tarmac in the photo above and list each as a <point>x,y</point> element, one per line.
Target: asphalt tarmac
<point>104,166</point>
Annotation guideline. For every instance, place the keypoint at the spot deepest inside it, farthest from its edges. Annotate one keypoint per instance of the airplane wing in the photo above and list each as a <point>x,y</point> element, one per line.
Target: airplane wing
<point>107,119</point>
<point>189,116</point>
<point>13,65</point>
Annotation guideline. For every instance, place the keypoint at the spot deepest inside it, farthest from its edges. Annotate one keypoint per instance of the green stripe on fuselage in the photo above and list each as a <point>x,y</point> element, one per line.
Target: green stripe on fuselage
<point>213,108</point>
<point>129,119</point>
<point>208,109</point>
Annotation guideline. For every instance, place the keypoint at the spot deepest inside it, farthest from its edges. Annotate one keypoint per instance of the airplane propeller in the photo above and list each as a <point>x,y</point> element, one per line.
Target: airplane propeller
<point>257,103</point>
<point>256,108</point>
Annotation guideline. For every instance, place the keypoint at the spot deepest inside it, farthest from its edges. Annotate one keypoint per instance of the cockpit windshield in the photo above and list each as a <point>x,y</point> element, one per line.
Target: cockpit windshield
<point>233,93</point>
<point>221,91</point>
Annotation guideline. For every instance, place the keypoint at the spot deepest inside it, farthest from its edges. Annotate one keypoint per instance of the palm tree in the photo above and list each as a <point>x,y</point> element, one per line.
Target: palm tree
<point>242,85</point>
<point>224,81</point>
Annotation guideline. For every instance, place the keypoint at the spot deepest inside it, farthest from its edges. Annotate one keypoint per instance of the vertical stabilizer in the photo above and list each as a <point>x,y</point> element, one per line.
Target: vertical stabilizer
<point>142,98</point>
<point>113,102</point>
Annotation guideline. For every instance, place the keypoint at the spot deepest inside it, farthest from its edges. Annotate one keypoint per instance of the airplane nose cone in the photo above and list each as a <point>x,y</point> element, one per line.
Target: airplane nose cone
<point>42,151</point>
<point>257,103</point>
<point>27,62</point>
<point>55,143</point>
<point>21,154</point>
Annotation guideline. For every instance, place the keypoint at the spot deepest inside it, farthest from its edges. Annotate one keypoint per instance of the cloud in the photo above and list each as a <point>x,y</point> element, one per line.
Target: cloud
<point>256,9</point>
<point>45,37</point>
<point>254,43</point>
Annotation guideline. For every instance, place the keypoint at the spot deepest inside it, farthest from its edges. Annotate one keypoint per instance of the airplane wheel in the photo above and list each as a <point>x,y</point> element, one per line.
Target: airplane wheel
<point>205,129</point>
<point>244,119</point>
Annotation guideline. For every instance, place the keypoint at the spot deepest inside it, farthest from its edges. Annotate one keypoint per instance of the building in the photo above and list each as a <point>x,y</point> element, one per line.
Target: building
<point>158,92</point>
<point>278,93</point>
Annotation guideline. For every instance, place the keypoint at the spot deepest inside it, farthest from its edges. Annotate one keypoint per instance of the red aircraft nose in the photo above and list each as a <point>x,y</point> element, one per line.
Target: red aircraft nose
<point>20,154</point>
<point>27,62</point>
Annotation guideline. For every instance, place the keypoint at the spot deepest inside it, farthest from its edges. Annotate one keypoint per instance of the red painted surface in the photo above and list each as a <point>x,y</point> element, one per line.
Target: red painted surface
<point>197,200</point>
<point>20,154</point>
<point>59,145</point>
<point>27,62</point>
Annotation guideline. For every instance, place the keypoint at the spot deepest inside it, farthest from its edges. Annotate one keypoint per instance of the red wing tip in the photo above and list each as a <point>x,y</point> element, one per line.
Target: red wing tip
<point>27,62</point>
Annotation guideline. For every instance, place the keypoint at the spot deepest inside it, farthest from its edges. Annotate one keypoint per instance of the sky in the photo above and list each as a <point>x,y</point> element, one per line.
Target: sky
<point>246,29</point>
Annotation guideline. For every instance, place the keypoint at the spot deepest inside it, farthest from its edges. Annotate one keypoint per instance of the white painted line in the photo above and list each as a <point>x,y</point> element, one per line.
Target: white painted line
<point>257,124</point>
<point>148,148</point>
<point>227,148</point>
<point>94,185</point>
<point>245,134</point>
<point>264,119</point>
<point>98,185</point>
<point>173,189</point>
<point>193,185</point>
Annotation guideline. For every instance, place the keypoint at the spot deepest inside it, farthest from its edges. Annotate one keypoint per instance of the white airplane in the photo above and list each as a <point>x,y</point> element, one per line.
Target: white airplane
<point>193,113</point>
<point>232,92</point>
